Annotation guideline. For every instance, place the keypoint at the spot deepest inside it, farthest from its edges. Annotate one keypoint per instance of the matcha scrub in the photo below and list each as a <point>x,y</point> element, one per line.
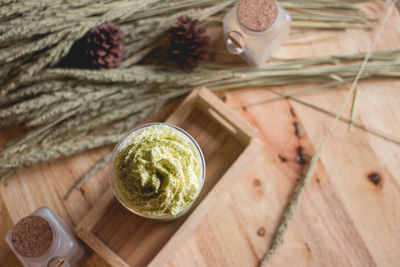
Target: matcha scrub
<point>158,171</point>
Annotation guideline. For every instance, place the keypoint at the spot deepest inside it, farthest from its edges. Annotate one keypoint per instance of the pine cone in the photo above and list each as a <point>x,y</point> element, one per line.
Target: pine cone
<point>187,44</point>
<point>100,48</point>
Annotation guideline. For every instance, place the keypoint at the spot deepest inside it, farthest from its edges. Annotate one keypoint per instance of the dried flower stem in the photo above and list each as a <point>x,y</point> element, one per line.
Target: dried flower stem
<point>298,92</point>
<point>353,108</point>
<point>100,164</point>
<point>389,137</point>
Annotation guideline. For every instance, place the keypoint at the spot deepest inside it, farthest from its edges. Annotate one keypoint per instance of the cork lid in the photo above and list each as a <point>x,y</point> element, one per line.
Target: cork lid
<point>257,15</point>
<point>32,236</point>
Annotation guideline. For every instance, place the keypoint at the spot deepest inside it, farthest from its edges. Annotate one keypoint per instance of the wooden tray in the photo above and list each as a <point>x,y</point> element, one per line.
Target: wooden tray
<point>228,142</point>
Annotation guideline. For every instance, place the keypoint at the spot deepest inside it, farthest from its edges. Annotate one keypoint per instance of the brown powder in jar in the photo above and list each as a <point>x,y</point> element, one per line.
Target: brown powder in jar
<point>32,236</point>
<point>257,15</point>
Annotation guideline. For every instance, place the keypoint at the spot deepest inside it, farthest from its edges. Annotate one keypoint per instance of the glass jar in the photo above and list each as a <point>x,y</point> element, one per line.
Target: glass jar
<point>116,188</point>
<point>65,249</point>
<point>255,47</point>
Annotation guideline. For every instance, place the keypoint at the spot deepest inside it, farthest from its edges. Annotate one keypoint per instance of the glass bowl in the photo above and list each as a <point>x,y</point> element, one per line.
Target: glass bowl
<point>120,196</point>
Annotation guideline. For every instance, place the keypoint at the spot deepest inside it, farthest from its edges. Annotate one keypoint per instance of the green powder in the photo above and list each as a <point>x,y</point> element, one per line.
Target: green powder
<point>158,170</point>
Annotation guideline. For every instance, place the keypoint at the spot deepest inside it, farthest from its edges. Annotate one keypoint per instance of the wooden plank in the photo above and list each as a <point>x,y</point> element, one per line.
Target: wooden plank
<point>239,229</point>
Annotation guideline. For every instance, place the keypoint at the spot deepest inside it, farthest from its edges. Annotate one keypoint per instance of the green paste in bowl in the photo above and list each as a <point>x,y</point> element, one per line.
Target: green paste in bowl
<point>158,171</point>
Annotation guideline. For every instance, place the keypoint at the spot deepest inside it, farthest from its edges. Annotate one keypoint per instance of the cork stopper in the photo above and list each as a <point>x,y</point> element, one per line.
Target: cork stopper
<point>257,15</point>
<point>32,236</point>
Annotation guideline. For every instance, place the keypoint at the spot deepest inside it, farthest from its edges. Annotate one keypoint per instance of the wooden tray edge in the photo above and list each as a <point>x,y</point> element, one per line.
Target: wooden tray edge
<point>242,128</point>
<point>101,248</point>
<point>205,100</point>
<point>90,220</point>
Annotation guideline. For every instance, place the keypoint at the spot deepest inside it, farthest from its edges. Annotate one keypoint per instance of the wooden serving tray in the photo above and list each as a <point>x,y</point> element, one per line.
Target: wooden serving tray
<point>228,142</point>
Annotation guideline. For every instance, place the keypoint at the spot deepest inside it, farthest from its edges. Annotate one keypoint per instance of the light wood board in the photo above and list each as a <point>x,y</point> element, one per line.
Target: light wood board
<point>343,220</point>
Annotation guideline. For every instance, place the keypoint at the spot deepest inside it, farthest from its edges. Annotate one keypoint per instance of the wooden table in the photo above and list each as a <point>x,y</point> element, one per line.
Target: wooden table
<point>344,218</point>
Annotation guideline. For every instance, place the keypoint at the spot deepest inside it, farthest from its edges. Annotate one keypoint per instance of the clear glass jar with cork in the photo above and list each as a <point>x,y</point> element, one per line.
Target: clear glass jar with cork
<point>255,29</point>
<point>43,239</point>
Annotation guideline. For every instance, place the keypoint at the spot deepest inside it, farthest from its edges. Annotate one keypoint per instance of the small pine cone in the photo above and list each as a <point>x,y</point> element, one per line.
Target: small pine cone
<point>187,44</point>
<point>100,48</point>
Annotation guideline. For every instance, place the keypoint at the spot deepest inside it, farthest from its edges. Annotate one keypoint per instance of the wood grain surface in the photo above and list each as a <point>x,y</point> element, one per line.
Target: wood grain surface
<point>346,218</point>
